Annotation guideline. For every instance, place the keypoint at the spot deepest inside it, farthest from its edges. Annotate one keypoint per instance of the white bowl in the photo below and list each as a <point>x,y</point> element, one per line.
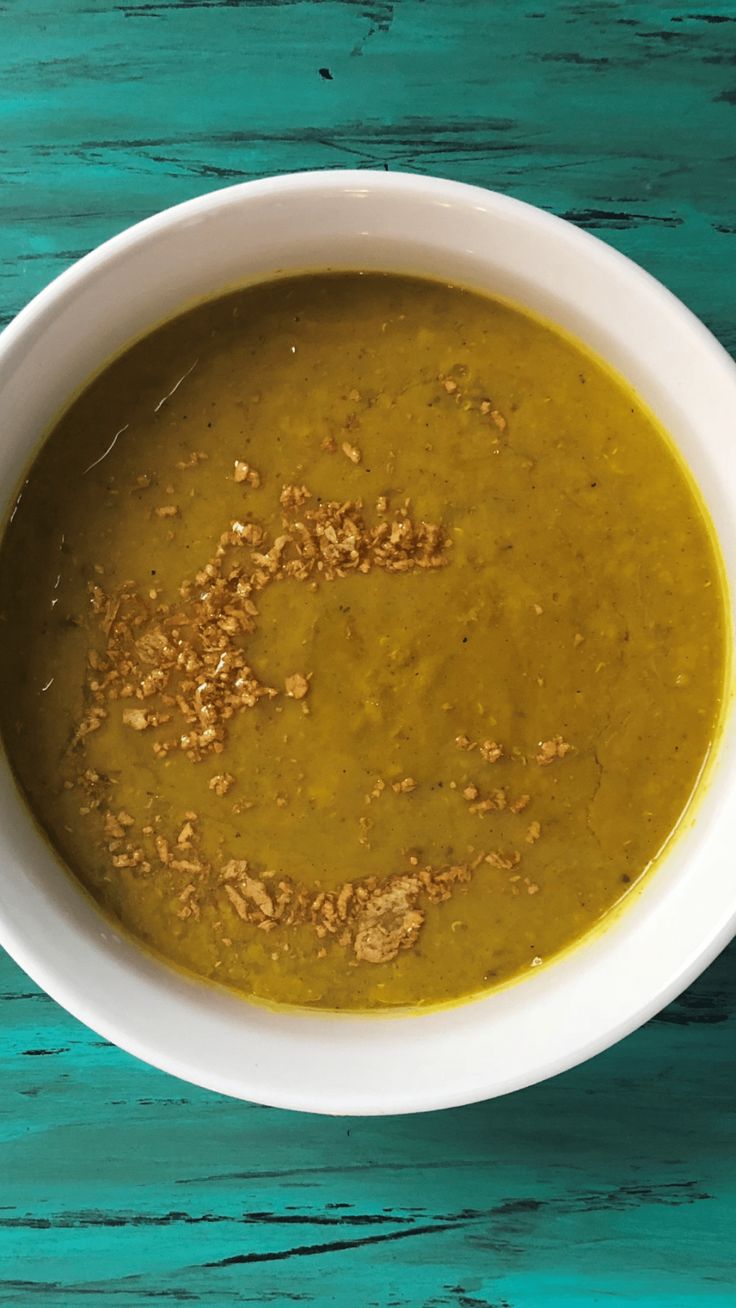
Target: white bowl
<point>686,912</point>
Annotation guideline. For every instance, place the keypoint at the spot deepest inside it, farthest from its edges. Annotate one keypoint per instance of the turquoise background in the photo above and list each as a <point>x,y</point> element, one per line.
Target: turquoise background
<point>614,1184</point>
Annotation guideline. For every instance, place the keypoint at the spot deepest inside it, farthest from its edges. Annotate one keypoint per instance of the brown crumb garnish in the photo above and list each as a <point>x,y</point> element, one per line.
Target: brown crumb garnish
<point>344,897</point>
<point>549,750</point>
<point>329,445</point>
<point>490,751</point>
<point>470,792</point>
<point>162,849</point>
<point>389,922</point>
<point>377,790</point>
<point>494,802</point>
<point>184,663</point>
<point>498,420</point>
<point>245,891</point>
<point>221,783</point>
<point>533,833</point>
<point>296,686</point>
<point>184,838</point>
<point>518,805</point>
<point>463,742</point>
<point>351,451</point>
<point>374,919</point>
<point>196,456</point>
<point>188,898</point>
<point>167,511</point>
<point>450,385</point>
<point>377,919</point>
<point>92,721</point>
<point>131,858</point>
<point>243,472</point>
<point>404,787</point>
<point>503,861</point>
<point>136,718</point>
<point>292,497</point>
<point>116,826</point>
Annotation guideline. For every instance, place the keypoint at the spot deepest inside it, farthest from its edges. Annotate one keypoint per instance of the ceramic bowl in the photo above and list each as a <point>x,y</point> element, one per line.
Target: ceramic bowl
<point>686,911</point>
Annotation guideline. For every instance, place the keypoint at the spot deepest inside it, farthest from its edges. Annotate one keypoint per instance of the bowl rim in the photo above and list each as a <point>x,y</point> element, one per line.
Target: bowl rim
<point>121,1028</point>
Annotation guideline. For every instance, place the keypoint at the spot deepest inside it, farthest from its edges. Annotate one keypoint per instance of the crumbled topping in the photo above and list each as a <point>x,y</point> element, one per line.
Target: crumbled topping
<point>404,787</point>
<point>549,750</point>
<point>136,718</point>
<point>243,472</point>
<point>184,838</point>
<point>296,686</point>
<point>389,922</point>
<point>505,862</point>
<point>518,805</point>
<point>351,452</point>
<point>377,790</point>
<point>162,849</point>
<point>246,888</point>
<point>221,783</point>
<point>186,663</point>
<point>490,751</point>
<point>469,402</point>
<point>292,497</point>
<point>533,833</point>
<point>494,802</point>
<point>92,721</point>
<point>116,826</point>
<point>463,742</point>
<point>196,456</point>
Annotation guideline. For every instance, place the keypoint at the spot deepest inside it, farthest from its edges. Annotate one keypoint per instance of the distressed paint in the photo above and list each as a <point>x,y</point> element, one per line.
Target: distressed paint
<point>613,1183</point>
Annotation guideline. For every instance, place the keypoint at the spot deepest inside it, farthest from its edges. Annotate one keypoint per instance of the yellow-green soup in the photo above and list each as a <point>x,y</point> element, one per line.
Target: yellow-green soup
<point>363,641</point>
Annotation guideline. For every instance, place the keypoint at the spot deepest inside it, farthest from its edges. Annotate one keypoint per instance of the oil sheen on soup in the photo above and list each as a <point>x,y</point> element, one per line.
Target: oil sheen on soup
<point>363,641</point>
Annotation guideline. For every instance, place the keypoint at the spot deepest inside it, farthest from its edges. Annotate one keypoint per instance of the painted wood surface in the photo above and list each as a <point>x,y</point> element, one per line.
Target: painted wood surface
<point>615,1183</point>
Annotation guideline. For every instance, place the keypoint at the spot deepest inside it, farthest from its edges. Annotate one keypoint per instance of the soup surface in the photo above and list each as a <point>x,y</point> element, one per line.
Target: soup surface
<point>363,641</point>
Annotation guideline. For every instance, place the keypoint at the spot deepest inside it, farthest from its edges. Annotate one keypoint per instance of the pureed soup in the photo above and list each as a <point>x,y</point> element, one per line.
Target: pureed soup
<point>363,641</point>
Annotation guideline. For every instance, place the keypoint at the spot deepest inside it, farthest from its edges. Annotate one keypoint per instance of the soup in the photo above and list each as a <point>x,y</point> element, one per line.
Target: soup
<point>363,641</point>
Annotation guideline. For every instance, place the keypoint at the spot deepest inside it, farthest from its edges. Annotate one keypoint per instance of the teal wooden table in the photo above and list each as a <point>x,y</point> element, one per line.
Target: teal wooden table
<point>615,1183</point>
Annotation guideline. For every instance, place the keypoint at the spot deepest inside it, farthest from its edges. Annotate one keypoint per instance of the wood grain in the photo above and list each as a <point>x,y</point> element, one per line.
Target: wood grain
<point>614,1183</point>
